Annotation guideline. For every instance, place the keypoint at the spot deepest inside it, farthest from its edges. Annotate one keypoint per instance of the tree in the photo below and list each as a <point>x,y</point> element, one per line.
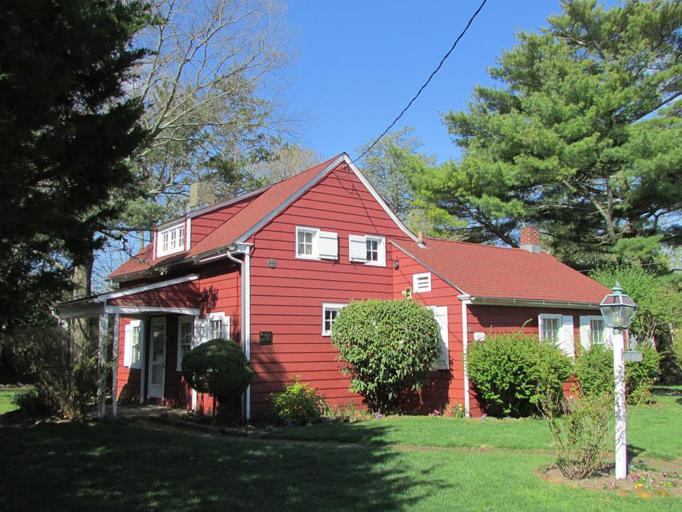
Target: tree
<point>580,138</point>
<point>206,112</point>
<point>67,129</point>
<point>389,347</point>
<point>392,166</point>
<point>659,302</point>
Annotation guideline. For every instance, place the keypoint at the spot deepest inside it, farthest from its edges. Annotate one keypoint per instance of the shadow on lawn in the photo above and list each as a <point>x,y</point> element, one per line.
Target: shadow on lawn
<point>133,467</point>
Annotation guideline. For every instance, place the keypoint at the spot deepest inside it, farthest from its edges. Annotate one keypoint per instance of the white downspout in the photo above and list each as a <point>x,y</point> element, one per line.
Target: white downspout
<point>245,314</point>
<point>465,350</point>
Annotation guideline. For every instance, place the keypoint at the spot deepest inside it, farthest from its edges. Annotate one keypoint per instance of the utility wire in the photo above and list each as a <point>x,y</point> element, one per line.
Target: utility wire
<point>433,73</point>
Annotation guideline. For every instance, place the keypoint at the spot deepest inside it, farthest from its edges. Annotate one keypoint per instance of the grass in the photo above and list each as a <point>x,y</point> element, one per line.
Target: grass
<point>6,395</point>
<point>653,431</point>
<point>114,466</point>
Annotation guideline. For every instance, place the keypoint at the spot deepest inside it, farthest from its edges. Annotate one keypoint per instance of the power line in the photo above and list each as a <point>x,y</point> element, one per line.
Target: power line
<point>428,80</point>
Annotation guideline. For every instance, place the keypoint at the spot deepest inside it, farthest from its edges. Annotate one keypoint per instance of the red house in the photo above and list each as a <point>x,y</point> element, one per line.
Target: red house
<point>272,268</point>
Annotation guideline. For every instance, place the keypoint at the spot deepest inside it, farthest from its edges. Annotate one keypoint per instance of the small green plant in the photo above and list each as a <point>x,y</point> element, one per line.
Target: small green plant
<point>299,404</point>
<point>32,403</point>
<point>594,369</point>
<point>218,367</point>
<point>389,346</point>
<point>579,435</point>
<point>511,371</point>
<point>455,411</point>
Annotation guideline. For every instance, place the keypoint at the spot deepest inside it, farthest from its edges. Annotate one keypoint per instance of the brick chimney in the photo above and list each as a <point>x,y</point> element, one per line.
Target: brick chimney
<point>201,194</point>
<point>530,239</point>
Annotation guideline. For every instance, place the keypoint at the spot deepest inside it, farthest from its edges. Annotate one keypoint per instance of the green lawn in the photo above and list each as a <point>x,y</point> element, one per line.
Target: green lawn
<point>653,431</point>
<point>114,466</point>
<point>6,395</point>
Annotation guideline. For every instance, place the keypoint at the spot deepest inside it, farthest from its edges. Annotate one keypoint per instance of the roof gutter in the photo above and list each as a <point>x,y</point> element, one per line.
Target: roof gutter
<point>502,301</point>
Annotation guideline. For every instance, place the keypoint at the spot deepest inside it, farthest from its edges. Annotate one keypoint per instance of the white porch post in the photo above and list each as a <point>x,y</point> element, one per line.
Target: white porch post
<point>143,356</point>
<point>114,371</point>
<point>102,356</point>
<point>620,405</point>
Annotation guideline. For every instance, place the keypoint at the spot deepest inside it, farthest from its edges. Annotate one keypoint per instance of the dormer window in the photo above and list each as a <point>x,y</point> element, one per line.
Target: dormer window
<point>171,240</point>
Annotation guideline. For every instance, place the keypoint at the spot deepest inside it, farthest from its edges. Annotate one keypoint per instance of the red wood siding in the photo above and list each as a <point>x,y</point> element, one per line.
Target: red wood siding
<point>445,387</point>
<point>505,319</point>
<point>287,300</point>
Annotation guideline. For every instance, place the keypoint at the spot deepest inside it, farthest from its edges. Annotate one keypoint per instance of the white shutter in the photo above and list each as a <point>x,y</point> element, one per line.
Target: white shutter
<point>585,332</point>
<point>128,345</point>
<point>440,313</point>
<point>566,336</point>
<point>328,245</point>
<point>200,331</point>
<point>357,248</point>
<point>226,327</point>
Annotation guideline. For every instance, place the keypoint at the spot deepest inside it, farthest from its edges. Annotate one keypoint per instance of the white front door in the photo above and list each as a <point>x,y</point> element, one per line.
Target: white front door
<point>157,357</point>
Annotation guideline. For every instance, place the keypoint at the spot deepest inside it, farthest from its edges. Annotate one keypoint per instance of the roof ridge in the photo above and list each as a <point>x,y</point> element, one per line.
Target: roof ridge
<point>477,244</point>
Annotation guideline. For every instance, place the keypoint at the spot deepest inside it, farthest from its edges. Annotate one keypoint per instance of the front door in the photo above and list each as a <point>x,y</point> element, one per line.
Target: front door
<point>157,357</point>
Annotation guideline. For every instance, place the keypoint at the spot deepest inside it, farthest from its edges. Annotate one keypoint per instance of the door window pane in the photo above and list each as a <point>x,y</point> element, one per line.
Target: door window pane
<point>550,329</point>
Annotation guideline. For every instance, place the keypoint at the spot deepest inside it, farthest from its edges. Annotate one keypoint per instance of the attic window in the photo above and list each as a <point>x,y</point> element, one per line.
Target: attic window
<point>421,283</point>
<point>171,240</point>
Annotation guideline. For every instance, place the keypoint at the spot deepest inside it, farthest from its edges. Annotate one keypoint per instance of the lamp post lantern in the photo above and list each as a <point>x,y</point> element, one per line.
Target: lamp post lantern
<point>618,309</point>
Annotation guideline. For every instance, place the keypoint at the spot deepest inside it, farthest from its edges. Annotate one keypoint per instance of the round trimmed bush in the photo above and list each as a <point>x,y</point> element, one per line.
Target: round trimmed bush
<point>217,367</point>
<point>510,373</point>
<point>389,346</point>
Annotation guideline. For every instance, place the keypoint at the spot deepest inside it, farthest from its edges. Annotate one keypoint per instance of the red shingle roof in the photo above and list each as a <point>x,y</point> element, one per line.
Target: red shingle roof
<point>505,273</point>
<point>258,208</point>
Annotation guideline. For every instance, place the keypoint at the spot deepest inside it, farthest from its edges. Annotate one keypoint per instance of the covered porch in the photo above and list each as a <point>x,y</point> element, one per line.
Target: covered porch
<point>142,333</point>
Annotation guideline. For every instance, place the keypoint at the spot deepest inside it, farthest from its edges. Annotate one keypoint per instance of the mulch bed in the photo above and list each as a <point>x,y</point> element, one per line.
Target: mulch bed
<point>646,479</point>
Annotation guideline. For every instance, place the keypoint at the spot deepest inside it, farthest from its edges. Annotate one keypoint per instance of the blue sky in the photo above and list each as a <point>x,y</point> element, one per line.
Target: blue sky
<point>359,62</point>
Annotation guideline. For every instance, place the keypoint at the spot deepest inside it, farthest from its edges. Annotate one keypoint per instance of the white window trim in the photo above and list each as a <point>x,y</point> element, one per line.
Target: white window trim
<point>545,316</point>
<point>179,247</point>
<point>381,257</point>
<point>183,320</point>
<point>330,306</point>
<point>316,233</point>
<point>415,282</point>
<point>128,345</point>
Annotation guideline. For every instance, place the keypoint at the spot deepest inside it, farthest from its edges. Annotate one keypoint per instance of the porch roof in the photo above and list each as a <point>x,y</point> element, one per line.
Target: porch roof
<point>172,296</point>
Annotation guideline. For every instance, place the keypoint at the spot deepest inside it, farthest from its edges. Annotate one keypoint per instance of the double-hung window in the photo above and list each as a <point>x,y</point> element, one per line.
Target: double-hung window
<point>550,326</point>
<point>185,337</point>
<point>593,331</point>
<point>315,244</point>
<point>367,249</point>
<point>329,314</point>
<point>171,240</point>
<point>558,330</point>
<point>306,243</point>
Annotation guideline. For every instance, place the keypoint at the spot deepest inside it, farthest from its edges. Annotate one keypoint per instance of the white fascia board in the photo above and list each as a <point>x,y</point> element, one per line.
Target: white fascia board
<point>139,289</point>
<point>377,197</point>
<point>144,310</point>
